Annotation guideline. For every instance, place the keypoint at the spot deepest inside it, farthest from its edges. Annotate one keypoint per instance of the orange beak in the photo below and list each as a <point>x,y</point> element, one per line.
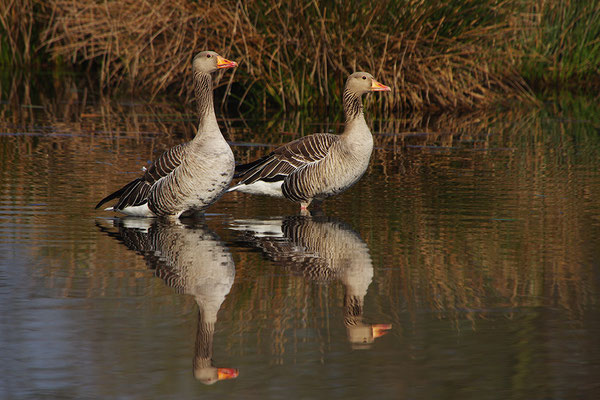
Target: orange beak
<point>380,329</point>
<point>227,373</point>
<point>379,87</point>
<point>224,63</point>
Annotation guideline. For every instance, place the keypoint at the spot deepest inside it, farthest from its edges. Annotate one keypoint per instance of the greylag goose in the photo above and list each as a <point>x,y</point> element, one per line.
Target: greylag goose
<point>191,176</point>
<point>323,250</point>
<point>191,259</point>
<point>321,165</point>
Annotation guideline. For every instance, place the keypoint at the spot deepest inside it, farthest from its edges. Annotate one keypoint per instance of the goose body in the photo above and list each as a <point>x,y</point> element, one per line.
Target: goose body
<point>188,177</point>
<point>321,165</point>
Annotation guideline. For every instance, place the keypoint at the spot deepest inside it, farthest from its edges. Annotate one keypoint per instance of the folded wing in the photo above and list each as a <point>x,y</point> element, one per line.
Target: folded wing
<point>136,192</point>
<point>286,159</point>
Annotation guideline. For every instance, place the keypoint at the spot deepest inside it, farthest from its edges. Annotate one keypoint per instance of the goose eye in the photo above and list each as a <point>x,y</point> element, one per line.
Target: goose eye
<point>208,56</point>
<point>364,77</point>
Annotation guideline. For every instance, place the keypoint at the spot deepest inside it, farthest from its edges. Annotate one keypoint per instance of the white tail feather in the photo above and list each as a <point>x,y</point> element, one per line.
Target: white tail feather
<point>260,187</point>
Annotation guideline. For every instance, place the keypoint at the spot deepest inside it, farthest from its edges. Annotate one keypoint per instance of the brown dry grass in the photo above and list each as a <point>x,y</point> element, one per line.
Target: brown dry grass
<point>143,44</point>
<point>18,21</point>
<point>294,53</point>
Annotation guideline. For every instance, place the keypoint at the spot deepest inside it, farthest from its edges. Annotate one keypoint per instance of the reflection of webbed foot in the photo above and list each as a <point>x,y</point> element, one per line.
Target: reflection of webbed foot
<point>304,207</point>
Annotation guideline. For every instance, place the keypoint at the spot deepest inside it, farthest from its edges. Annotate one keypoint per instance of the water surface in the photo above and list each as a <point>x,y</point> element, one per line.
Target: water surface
<point>463,265</point>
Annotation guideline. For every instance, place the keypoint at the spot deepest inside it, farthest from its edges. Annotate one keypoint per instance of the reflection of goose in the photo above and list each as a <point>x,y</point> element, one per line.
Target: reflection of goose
<point>193,261</point>
<point>320,165</point>
<point>191,176</point>
<point>321,249</point>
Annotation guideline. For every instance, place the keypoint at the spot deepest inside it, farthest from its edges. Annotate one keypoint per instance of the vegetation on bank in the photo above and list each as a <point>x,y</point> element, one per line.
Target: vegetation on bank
<point>561,45</point>
<point>461,54</point>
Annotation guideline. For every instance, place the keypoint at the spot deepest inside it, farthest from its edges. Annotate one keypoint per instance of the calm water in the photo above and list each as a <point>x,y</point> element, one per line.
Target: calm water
<point>464,265</point>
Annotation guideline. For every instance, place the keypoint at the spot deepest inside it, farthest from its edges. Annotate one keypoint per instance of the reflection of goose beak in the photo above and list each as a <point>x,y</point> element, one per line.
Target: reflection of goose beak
<point>227,373</point>
<point>380,330</point>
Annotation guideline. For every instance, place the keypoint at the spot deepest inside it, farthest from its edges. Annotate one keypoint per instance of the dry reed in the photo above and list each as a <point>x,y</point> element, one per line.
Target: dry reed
<point>19,23</point>
<point>294,53</point>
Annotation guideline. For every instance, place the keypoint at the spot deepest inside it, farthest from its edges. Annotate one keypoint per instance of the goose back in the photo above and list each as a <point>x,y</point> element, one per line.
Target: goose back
<point>199,180</point>
<point>320,165</point>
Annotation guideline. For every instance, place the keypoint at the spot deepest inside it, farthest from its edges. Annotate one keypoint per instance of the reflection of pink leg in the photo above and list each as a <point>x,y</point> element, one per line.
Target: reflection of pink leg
<point>304,204</point>
<point>304,208</point>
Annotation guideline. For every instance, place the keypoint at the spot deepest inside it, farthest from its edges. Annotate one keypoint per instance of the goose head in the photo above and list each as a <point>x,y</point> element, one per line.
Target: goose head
<point>209,61</point>
<point>210,375</point>
<point>363,82</point>
<point>361,336</point>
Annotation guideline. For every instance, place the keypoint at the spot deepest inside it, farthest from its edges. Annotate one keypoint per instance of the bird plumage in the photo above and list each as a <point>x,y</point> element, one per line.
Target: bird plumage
<point>319,165</point>
<point>136,192</point>
<point>188,177</point>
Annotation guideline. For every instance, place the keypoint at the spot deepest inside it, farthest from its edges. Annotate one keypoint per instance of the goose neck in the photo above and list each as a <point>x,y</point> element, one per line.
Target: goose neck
<point>355,125</point>
<point>204,338</point>
<point>353,107</point>
<point>353,309</point>
<point>204,103</point>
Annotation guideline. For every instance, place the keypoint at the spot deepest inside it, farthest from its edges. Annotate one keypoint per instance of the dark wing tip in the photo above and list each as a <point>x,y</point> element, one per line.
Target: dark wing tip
<point>241,169</point>
<point>107,198</point>
<point>120,192</point>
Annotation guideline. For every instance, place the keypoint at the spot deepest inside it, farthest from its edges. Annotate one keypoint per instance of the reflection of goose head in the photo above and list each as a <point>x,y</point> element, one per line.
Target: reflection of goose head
<point>321,249</point>
<point>204,370</point>
<point>360,335</point>
<point>192,260</point>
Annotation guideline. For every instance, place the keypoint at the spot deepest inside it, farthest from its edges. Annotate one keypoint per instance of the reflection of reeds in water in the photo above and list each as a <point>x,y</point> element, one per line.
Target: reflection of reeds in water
<point>512,233</point>
<point>515,233</point>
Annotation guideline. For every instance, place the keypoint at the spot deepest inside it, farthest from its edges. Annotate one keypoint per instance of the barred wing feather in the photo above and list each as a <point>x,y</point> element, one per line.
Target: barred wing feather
<point>166,163</point>
<point>286,159</point>
<point>136,192</point>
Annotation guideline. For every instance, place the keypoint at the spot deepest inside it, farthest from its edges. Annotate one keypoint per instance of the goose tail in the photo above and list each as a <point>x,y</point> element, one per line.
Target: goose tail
<point>117,194</point>
<point>242,169</point>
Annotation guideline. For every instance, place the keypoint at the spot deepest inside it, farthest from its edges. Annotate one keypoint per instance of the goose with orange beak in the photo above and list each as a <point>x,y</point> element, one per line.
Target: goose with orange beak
<point>321,165</point>
<point>189,177</point>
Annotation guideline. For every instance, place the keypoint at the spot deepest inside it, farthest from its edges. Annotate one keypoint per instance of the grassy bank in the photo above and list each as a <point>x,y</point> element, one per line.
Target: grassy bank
<point>561,42</point>
<point>458,55</point>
